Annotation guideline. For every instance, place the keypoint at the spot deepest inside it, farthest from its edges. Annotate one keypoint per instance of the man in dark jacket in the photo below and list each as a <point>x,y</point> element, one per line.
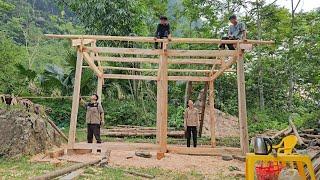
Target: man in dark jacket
<point>163,31</point>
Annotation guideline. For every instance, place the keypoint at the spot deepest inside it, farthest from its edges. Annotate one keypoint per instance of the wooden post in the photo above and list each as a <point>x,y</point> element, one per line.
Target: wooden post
<point>162,103</point>
<point>75,100</point>
<point>212,114</point>
<point>99,88</point>
<point>203,106</point>
<point>242,107</point>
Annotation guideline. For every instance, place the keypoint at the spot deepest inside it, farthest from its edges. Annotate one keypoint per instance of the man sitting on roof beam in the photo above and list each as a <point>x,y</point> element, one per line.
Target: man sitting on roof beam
<point>237,30</point>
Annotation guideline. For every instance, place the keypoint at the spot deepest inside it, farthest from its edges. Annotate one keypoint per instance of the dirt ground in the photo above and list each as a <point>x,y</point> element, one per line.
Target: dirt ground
<point>123,155</point>
<point>183,163</point>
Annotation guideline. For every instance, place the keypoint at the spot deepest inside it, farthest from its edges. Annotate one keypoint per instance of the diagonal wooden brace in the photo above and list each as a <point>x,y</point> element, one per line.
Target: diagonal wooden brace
<point>90,62</point>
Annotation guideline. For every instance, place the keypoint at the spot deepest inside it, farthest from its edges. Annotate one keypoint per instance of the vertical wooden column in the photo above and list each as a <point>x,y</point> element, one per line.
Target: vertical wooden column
<point>212,114</point>
<point>75,100</point>
<point>242,107</point>
<point>162,102</point>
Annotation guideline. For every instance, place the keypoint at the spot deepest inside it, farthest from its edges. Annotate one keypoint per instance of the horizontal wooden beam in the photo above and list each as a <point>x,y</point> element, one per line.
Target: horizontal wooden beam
<point>107,38</point>
<point>127,59</point>
<point>188,78</point>
<point>111,50</point>
<point>90,62</point>
<point>216,41</point>
<point>129,69</point>
<point>78,42</point>
<point>132,77</point>
<point>194,61</point>
<point>156,61</point>
<point>151,39</point>
<point>154,78</point>
<point>202,53</point>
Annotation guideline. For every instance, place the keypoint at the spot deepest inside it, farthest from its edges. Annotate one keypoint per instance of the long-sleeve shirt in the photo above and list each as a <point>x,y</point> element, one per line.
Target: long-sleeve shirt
<point>191,117</point>
<point>163,30</point>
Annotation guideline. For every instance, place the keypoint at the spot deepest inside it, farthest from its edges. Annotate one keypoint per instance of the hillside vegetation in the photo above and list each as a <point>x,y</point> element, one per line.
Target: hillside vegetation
<point>280,80</point>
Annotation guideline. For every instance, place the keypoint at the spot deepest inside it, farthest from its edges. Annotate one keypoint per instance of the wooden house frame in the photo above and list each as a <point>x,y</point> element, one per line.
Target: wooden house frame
<point>219,60</point>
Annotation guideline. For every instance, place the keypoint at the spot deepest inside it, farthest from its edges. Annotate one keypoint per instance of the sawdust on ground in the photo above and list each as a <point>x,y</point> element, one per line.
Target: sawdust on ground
<point>177,162</point>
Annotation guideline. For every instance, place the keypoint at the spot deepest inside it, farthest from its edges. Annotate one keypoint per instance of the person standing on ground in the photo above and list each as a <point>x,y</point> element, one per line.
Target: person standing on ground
<point>94,118</point>
<point>191,119</point>
<point>163,31</point>
<point>237,31</point>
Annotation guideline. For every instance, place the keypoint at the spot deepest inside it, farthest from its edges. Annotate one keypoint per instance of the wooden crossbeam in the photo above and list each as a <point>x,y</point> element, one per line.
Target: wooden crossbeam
<point>132,77</point>
<point>154,78</point>
<point>194,61</point>
<point>188,78</point>
<point>156,70</point>
<point>202,53</point>
<point>127,59</point>
<point>90,62</point>
<point>156,61</point>
<point>129,69</point>
<point>137,51</point>
<point>151,39</point>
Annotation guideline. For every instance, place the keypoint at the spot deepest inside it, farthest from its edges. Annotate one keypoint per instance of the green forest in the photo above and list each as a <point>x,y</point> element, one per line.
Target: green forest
<point>282,80</point>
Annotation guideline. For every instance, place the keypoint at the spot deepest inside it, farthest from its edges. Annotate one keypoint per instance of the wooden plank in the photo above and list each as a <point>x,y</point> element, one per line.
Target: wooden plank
<point>188,78</point>
<point>78,42</point>
<point>129,69</point>
<point>99,88</point>
<point>108,38</point>
<point>151,39</point>
<point>202,53</point>
<point>189,70</point>
<point>208,151</point>
<point>127,59</point>
<point>75,100</point>
<point>194,61</point>
<point>224,68</point>
<point>212,114</point>
<point>203,106</point>
<point>73,175</point>
<point>132,77</point>
<point>242,107</point>
<point>162,102</point>
<point>216,41</point>
<point>111,50</point>
<point>90,62</point>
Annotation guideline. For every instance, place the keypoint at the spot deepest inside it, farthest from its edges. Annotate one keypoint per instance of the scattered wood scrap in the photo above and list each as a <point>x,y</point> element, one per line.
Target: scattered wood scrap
<point>66,170</point>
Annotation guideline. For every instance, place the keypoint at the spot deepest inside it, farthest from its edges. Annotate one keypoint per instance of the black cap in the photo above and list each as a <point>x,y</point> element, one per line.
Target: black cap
<point>163,18</point>
<point>233,17</point>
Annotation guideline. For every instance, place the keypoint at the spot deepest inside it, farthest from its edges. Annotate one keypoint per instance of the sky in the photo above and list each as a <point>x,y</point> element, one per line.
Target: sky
<point>305,5</point>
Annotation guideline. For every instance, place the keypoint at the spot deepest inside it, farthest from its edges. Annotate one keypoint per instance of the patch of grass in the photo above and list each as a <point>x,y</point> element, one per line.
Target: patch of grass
<point>21,168</point>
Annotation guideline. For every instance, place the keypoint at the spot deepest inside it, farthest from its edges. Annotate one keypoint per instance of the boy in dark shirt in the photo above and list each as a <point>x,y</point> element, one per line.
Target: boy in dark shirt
<point>163,31</point>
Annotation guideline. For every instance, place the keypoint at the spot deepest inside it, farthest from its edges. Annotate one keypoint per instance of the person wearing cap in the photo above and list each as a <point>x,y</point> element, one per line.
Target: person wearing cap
<point>237,30</point>
<point>94,118</point>
<point>191,121</point>
<point>163,31</point>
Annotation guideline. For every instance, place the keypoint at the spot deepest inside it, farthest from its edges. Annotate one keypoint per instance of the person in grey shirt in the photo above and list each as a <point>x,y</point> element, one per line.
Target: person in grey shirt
<point>236,31</point>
